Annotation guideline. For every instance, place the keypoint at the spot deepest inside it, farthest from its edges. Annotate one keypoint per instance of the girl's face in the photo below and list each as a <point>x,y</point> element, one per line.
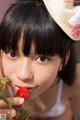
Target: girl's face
<point>36,72</point>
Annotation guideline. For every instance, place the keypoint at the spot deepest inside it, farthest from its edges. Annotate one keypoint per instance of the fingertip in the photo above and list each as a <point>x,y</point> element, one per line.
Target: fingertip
<point>12,112</point>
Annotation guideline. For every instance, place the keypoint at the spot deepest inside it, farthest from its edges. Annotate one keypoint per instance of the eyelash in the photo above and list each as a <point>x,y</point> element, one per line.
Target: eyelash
<point>12,54</point>
<point>44,59</point>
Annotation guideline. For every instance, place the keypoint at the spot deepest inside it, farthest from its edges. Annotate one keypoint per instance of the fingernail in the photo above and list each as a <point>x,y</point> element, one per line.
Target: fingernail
<point>13,112</point>
<point>21,100</point>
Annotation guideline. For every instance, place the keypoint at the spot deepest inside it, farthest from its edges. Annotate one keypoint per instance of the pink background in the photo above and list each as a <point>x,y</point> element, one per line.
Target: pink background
<point>4,4</point>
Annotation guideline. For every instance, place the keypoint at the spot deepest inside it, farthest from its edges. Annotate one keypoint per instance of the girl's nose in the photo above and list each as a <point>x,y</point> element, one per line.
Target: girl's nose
<point>25,71</point>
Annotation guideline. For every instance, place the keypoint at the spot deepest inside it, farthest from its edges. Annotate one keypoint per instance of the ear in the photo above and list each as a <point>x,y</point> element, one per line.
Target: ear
<point>67,58</point>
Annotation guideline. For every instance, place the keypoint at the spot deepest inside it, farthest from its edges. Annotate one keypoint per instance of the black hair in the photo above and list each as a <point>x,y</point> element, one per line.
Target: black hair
<point>31,18</point>
<point>68,74</point>
<point>75,51</point>
<point>74,59</point>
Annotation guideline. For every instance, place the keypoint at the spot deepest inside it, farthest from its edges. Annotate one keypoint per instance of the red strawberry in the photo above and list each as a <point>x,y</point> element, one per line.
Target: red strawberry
<point>22,92</point>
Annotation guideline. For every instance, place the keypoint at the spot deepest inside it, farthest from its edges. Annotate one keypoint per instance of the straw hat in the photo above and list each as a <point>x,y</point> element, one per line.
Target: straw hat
<point>66,15</point>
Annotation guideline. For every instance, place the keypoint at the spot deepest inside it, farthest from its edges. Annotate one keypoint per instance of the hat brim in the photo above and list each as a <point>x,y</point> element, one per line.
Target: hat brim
<point>61,12</point>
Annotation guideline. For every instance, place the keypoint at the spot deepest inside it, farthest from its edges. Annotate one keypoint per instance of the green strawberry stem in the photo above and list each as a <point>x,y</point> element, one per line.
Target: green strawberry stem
<point>22,113</point>
<point>4,81</point>
<point>7,102</point>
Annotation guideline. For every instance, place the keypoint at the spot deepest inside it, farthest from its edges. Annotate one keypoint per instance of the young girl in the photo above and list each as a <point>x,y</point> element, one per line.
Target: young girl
<point>34,53</point>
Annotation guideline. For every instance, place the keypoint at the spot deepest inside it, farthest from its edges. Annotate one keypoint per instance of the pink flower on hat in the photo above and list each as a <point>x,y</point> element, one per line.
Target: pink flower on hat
<point>76,31</point>
<point>74,21</point>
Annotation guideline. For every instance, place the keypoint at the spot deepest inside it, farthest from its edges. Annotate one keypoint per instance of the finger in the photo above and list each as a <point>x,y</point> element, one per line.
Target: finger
<point>7,112</point>
<point>16,101</point>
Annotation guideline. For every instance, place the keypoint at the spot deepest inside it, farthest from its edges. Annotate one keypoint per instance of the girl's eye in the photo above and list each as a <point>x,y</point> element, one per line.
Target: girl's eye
<point>12,54</point>
<point>42,59</point>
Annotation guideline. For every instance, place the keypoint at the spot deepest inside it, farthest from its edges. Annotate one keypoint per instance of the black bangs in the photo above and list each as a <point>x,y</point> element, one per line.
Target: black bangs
<point>34,22</point>
<point>44,37</point>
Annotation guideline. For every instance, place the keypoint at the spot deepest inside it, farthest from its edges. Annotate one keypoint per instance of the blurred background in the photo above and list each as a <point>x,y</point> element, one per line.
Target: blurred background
<point>4,4</point>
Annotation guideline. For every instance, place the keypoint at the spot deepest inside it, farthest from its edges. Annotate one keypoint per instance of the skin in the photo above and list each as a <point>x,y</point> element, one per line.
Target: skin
<point>35,72</point>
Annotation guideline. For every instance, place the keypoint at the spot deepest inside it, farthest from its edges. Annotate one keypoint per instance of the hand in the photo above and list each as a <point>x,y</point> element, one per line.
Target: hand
<point>16,102</point>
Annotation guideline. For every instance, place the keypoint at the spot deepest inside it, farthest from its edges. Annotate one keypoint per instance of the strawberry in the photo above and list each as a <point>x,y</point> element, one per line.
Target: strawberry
<point>23,92</point>
<point>22,113</point>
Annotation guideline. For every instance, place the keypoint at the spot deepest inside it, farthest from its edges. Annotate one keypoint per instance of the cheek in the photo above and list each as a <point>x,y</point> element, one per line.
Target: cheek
<point>8,68</point>
<point>50,78</point>
<point>46,77</point>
